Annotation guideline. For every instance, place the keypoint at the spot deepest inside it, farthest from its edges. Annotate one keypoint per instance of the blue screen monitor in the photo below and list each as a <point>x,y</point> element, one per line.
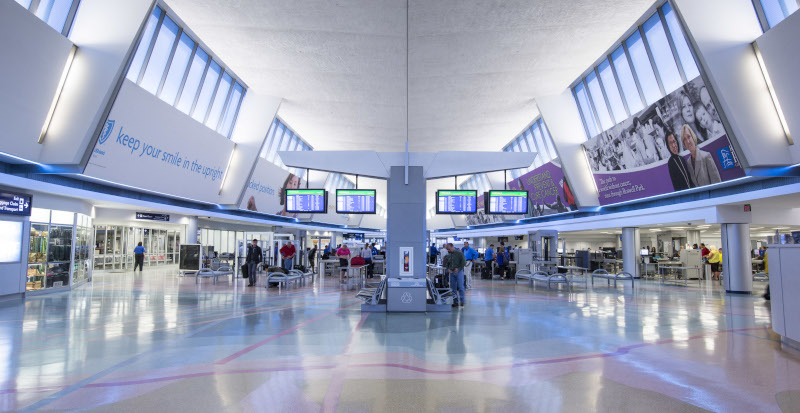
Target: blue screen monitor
<point>457,202</point>
<point>507,202</point>
<point>306,201</point>
<point>355,201</point>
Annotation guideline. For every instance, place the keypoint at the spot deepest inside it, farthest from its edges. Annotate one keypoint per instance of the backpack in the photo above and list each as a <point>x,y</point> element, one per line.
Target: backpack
<point>357,261</point>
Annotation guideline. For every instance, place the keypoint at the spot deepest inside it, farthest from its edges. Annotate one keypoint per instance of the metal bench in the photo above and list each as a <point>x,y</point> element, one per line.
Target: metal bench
<point>542,276</point>
<point>206,273</point>
<point>620,276</point>
<point>303,275</point>
<point>281,278</point>
<point>372,296</point>
<point>439,295</point>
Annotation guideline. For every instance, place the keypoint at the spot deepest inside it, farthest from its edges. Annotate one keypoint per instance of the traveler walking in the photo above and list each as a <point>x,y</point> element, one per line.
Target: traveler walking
<point>138,256</point>
<point>253,259</point>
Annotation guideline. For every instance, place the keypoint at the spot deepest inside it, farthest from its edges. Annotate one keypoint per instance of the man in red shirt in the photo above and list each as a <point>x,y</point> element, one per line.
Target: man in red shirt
<point>287,252</point>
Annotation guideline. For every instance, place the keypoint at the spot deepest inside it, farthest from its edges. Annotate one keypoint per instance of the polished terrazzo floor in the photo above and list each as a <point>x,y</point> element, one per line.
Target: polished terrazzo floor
<point>156,342</point>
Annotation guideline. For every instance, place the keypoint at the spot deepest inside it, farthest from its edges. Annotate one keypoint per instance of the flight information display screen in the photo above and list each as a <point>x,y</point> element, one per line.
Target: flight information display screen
<point>306,201</point>
<point>355,201</point>
<point>456,202</point>
<point>507,202</point>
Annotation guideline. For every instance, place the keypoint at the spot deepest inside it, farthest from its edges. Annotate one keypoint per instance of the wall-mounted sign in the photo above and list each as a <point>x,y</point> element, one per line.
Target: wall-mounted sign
<point>15,204</point>
<point>548,190</point>
<point>152,217</point>
<point>747,208</point>
<point>354,237</point>
<point>676,143</point>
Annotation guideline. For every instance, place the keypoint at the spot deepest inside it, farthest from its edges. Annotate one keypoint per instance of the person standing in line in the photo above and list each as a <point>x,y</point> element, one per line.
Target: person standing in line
<point>715,259</point>
<point>433,253</point>
<point>138,257</point>
<point>312,256</point>
<point>455,267</point>
<point>469,255</point>
<point>488,258</point>
<point>502,262</point>
<point>366,254</point>
<point>275,254</point>
<point>288,252</point>
<point>443,253</point>
<point>253,259</point>
<point>344,259</point>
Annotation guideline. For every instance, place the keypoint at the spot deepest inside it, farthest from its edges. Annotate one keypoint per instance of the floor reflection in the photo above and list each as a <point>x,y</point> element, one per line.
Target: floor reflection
<point>158,342</point>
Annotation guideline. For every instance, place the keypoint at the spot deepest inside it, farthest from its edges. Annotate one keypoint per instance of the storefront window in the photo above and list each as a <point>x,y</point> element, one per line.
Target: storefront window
<point>58,247</point>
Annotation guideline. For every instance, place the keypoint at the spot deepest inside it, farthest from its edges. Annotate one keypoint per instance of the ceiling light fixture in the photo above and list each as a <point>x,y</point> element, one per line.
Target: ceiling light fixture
<point>59,89</point>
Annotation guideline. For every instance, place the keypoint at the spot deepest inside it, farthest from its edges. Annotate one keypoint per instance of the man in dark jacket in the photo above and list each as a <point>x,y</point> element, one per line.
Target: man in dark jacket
<point>252,260</point>
<point>455,267</point>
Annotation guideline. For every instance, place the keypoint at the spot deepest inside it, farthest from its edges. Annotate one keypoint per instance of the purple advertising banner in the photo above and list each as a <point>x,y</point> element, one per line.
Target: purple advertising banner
<point>548,190</point>
<point>674,144</point>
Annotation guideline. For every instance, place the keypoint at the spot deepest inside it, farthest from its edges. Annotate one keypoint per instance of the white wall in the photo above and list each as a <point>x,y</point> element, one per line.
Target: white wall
<point>34,56</point>
<point>255,116</point>
<point>722,32</point>
<point>779,50</point>
<point>562,119</point>
<point>61,203</point>
<point>104,32</point>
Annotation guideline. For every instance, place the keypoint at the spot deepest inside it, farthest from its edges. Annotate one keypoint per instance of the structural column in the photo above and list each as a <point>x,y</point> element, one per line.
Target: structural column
<point>630,250</point>
<point>191,230</point>
<point>405,220</point>
<point>693,237</point>
<point>737,269</point>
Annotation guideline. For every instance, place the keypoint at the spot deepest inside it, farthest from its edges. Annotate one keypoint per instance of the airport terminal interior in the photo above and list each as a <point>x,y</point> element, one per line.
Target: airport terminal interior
<point>400,206</point>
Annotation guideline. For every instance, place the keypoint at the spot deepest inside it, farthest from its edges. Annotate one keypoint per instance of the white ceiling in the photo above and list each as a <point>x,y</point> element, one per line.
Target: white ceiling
<point>475,66</point>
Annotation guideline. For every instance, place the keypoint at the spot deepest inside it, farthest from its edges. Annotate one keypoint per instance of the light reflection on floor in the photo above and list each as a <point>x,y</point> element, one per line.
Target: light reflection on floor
<point>156,342</point>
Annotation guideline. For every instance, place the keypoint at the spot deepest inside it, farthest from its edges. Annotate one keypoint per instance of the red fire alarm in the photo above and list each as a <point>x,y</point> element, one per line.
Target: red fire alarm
<point>747,208</point>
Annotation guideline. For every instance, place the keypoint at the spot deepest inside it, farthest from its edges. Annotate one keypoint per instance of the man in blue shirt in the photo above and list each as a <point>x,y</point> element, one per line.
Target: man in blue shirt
<point>433,254</point>
<point>374,250</point>
<point>470,255</point>
<point>488,257</point>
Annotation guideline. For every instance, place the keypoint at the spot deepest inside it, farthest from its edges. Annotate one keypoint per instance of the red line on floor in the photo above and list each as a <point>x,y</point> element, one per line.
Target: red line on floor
<point>336,383</point>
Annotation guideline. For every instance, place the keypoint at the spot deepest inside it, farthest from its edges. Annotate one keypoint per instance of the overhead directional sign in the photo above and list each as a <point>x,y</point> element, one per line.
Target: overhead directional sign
<point>15,204</point>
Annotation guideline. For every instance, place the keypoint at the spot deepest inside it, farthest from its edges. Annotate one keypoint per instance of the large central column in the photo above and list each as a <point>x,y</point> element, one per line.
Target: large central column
<point>405,220</point>
<point>630,251</point>
<point>736,266</point>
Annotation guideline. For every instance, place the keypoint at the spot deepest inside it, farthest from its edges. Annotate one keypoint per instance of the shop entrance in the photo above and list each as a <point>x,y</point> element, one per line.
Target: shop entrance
<point>114,244</point>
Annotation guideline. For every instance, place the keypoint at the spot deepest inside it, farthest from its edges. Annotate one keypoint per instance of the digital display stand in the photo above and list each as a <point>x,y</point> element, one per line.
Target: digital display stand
<point>355,201</point>
<point>507,203</point>
<point>456,202</point>
<point>306,201</point>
